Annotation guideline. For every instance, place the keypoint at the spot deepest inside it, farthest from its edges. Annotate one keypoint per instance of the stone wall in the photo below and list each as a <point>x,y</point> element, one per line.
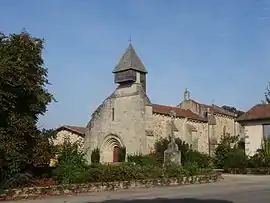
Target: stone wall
<point>224,124</point>
<point>61,190</point>
<point>65,134</point>
<point>119,121</point>
<point>160,125</point>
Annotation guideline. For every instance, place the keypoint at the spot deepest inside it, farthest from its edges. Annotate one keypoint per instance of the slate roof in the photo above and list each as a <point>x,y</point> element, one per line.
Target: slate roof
<point>257,112</point>
<point>182,113</point>
<point>130,61</point>
<point>74,129</point>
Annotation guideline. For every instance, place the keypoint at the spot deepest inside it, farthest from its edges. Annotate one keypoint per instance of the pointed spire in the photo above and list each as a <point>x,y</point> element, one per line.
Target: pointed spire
<point>130,61</point>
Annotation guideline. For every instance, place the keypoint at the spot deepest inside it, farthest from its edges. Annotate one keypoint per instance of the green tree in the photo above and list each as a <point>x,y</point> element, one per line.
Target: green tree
<point>23,98</point>
<point>267,94</point>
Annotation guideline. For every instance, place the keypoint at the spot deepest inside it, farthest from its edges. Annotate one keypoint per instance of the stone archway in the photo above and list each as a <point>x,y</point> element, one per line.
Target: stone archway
<point>110,148</point>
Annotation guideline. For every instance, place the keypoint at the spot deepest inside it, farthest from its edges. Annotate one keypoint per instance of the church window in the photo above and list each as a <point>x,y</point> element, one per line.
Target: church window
<point>224,131</point>
<point>113,114</point>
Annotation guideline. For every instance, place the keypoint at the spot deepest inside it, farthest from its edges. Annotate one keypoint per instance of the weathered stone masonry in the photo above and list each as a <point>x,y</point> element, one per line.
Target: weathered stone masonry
<point>127,118</point>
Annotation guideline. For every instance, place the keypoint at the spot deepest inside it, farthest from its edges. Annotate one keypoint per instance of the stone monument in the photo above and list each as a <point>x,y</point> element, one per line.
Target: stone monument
<point>172,156</point>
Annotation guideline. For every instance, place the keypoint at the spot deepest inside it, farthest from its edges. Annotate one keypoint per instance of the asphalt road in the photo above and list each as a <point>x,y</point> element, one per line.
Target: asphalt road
<point>233,189</point>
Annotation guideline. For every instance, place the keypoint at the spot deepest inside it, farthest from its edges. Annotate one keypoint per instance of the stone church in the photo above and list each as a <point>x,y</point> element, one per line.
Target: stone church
<point>127,118</point>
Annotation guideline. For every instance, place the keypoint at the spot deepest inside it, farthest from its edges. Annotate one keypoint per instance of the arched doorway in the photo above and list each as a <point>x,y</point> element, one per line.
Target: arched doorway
<point>110,148</point>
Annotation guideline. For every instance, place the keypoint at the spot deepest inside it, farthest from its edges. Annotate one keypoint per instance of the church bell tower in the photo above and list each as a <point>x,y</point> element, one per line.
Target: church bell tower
<point>130,69</point>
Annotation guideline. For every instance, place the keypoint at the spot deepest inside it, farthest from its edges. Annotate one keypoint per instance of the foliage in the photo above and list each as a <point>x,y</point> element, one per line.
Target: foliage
<point>188,156</point>
<point>162,144</point>
<point>95,156</point>
<point>223,150</point>
<point>233,110</point>
<point>122,154</point>
<point>265,149</point>
<point>262,158</point>
<point>267,94</point>
<point>44,150</point>
<point>200,159</point>
<point>142,159</point>
<point>71,163</point>
<point>236,159</point>
<point>127,172</point>
<point>23,98</point>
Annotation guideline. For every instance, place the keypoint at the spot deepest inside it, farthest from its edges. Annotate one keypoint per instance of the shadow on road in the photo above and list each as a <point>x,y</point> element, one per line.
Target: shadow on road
<point>164,200</point>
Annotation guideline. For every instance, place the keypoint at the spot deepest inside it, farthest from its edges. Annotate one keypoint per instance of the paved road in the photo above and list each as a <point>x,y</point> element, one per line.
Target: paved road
<point>233,189</point>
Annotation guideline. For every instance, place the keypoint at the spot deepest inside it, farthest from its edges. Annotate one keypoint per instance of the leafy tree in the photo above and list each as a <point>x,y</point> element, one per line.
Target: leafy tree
<point>44,149</point>
<point>267,94</point>
<point>23,98</point>
<point>233,110</point>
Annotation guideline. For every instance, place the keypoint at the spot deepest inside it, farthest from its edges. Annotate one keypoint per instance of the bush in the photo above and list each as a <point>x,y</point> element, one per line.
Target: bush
<point>202,160</point>
<point>187,154</point>
<point>236,159</point>
<point>128,172</point>
<point>122,154</point>
<point>259,160</point>
<point>95,156</point>
<point>142,159</point>
<point>227,146</point>
<point>71,163</point>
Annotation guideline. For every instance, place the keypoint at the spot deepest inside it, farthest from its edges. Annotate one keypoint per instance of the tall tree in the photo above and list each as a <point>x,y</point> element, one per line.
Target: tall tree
<point>23,97</point>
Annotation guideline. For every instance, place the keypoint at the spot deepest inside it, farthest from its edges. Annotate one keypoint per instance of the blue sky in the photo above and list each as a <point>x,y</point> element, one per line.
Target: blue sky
<point>219,50</point>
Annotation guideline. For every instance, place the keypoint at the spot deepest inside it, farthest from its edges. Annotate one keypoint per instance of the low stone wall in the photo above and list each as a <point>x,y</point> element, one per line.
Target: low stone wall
<point>73,189</point>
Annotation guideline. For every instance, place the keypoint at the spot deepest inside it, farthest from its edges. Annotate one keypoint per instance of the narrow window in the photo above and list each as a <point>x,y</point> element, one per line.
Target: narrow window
<point>113,114</point>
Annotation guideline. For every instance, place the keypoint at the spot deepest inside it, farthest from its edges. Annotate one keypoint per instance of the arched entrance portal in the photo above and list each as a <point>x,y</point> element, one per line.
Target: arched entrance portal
<point>110,148</point>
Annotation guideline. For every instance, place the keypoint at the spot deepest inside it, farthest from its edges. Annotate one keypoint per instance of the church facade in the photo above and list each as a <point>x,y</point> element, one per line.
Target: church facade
<point>127,118</point>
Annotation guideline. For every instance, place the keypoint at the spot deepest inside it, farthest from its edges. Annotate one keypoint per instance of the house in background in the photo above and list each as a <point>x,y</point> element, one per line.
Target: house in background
<point>73,133</point>
<point>256,123</point>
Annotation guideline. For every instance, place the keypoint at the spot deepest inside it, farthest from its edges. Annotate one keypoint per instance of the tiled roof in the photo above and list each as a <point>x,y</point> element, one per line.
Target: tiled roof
<point>257,112</point>
<point>75,129</point>
<point>130,60</point>
<point>182,113</point>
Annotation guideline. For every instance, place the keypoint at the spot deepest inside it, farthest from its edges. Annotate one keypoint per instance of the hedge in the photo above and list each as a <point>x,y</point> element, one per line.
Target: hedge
<point>128,172</point>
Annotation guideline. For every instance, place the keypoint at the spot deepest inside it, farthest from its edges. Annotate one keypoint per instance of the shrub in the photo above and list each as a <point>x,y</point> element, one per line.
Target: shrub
<point>128,172</point>
<point>142,159</point>
<point>202,160</point>
<point>71,163</point>
<point>227,145</point>
<point>259,160</point>
<point>95,156</point>
<point>162,144</point>
<point>122,154</point>
<point>236,159</point>
<point>187,154</point>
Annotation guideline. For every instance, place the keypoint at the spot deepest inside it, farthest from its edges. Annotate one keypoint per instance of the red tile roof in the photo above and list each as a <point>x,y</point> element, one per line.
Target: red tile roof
<point>257,112</point>
<point>74,129</point>
<point>182,113</point>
